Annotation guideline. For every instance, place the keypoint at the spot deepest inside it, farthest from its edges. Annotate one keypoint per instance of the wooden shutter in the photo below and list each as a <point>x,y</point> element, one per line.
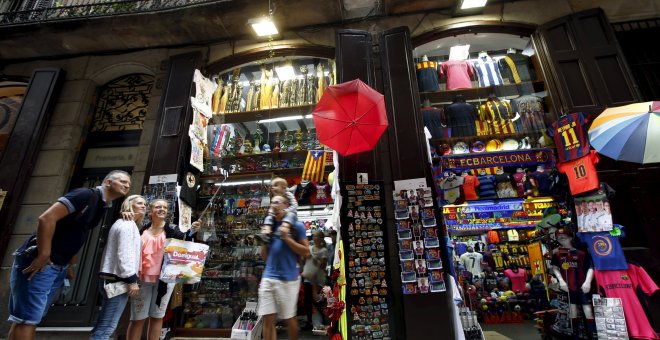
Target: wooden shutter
<point>586,66</point>
<point>19,156</point>
<point>170,143</point>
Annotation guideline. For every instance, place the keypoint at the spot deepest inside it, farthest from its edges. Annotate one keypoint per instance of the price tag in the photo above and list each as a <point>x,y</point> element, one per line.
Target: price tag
<point>362,178</point>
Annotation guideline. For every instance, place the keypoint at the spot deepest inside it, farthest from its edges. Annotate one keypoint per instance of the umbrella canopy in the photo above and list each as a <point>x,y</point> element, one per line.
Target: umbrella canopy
<point>628,133</point>
<point>350,117</point>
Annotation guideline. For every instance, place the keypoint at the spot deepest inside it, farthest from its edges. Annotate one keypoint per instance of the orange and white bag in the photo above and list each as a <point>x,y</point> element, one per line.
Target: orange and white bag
<point>183,261</point>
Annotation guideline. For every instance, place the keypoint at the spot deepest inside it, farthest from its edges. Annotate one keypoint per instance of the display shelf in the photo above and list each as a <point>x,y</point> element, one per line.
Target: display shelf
<point>485,138</point>
<point>481,93</point>
<point>249,116</point>
<point>281,172</point>
<point>278,155</point>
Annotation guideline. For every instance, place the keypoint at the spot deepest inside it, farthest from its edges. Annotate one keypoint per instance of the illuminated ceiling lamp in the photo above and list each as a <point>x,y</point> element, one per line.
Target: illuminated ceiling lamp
<point>469,4</point>
<point>264,26</point>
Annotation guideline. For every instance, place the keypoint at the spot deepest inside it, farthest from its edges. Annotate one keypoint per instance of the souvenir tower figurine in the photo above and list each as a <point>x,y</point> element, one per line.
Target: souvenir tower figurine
<point>239,145</point>
<point>284,142</point>
<point>247,145</point>
<point>309,141</point>
<point>230,149</point>
<point>298,145</point>
<point>258,137</point>
<point>302,98</point>
<point>276,147</point>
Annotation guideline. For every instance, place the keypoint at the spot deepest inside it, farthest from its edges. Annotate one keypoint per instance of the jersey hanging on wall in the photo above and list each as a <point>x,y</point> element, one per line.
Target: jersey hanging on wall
<point>570,137</point>
<point>581,173</point>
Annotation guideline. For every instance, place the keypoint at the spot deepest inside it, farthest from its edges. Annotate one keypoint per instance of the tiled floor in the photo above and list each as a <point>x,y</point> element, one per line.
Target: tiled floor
<point>511,331</point>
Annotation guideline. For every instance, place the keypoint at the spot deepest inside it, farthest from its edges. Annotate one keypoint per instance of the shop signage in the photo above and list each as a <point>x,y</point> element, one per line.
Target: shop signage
<point>489,226</point>
<point>504,158</point>
<point>111,157</point>
<point>483,208</point>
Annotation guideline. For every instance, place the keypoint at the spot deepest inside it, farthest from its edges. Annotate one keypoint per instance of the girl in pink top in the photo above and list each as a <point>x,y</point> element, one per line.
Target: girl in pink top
<point>154,294</point>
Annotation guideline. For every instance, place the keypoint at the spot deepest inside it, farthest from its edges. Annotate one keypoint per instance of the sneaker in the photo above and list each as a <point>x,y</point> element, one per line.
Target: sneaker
<point>319,330</point>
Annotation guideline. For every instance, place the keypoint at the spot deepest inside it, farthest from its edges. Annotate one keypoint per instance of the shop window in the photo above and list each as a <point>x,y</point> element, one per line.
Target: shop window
<point>11,97</point>
<point>260,128</point>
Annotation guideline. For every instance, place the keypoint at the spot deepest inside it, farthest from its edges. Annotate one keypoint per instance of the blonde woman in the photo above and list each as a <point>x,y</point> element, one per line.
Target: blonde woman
<point>154,295</point>
<point>120,262</point>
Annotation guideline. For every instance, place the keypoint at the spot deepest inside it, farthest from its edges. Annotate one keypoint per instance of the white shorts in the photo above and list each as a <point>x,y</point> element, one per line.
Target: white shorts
<point>278,297</point>
<point>144,305</point>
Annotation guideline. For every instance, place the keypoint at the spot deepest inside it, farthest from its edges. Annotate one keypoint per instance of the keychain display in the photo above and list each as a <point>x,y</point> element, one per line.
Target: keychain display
<point>419,246</point>
<point>610,319</point>
<point>368,306</point>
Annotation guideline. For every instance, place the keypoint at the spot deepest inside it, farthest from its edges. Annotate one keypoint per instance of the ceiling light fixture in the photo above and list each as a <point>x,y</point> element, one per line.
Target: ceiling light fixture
<point>467,4</point>
<point>263,26</point>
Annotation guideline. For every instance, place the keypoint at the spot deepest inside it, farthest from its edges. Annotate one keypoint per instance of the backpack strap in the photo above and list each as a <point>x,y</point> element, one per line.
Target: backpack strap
<point>93,200</point>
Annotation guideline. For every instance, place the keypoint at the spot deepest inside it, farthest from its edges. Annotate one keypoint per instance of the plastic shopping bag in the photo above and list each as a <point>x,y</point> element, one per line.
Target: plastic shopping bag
<point>183,261</point>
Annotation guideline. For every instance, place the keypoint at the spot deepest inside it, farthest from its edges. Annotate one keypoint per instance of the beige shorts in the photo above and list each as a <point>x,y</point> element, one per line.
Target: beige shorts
<point>278,297</point>
<point>144,305</point>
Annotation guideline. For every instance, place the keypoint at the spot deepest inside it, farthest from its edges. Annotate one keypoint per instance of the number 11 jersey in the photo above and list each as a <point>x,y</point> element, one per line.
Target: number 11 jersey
<point>570,137</point>
<point>581,172</point>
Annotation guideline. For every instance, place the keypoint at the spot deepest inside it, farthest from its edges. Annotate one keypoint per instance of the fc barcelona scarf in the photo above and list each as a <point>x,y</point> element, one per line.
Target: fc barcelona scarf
<point>314,166</point>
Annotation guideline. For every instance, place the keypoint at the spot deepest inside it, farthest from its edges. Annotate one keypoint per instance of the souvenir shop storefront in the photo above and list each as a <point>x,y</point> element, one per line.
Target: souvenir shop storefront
<point>483,234</point>
<point>529,229</point>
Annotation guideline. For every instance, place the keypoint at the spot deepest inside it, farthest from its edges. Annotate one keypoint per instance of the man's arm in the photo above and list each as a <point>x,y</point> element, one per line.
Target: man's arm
<point>301,248</point>
<point>45,232</point>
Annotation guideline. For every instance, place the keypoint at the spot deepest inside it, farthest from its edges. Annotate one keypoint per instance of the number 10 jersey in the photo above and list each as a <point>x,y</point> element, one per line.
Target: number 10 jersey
<point>581,172</point>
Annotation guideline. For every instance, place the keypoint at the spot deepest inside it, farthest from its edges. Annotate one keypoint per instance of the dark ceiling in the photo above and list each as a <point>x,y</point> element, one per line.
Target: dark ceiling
<point>195,25</point>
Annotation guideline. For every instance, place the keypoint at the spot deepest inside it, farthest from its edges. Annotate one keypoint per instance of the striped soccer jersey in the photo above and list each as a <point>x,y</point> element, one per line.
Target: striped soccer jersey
<point>488,71</point>
<point>498,113</point>
<point>427,76</point>
<point>570,137</point>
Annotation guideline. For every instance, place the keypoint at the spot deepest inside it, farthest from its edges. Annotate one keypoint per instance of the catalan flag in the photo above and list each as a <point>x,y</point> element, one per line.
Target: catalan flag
<point>314,166</point>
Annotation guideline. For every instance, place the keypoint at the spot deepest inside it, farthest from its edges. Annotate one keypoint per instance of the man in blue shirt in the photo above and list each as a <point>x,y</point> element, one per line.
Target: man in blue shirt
<point>280,281</point>
<point>41,263</point>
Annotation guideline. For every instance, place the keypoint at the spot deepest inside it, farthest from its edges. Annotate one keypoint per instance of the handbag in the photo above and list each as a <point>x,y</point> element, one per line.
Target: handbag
<point>113,289</point>
<point>311,271</point>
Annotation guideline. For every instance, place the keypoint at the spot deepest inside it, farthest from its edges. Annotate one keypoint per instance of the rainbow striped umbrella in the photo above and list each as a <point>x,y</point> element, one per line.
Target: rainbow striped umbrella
<point>628,133</point>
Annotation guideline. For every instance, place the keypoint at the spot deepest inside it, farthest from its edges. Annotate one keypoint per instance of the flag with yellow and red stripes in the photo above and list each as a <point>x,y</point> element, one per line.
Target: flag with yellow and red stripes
<point>314,168</point>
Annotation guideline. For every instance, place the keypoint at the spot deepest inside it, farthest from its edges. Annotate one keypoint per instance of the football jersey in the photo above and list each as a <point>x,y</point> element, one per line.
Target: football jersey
<point>570,137</point>
<point>469,184</point>
<point>512,235</point>
<point>458,73</point>
<point>472,262</point>
<point>581,173</point>
<point>573,265</point>
<point>427,76</point>
<point>518,279</point>
<point>605,250</point>
<point>488,72</point>
<point>622,284</point>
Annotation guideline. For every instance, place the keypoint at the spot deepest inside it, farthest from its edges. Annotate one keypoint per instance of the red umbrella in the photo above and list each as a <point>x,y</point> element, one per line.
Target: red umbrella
<point>350,117</point>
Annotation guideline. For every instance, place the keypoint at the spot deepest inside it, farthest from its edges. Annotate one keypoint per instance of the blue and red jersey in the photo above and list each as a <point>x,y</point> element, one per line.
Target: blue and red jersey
<point>570,137</point>
<point>573,265</point>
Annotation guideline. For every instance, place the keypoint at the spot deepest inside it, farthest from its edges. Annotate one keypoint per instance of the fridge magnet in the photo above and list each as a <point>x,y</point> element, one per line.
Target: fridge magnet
<point>431,242</point>
<point>407,266</point>
<point>401,215</point>
<point>438,286</point>
<point>433,254</point>
<point>429,222</point>
<point>406,255</point>
<point>435,275</point>
<point>404,234</point>
<point>409,288</point>
<point>402,225</point>
<point>417,230</point>
<point>430,232</point>
<point>414,212</point>
<point>434,264</point>
<point>428,213</point>
<point>428,202</point>
<point>423,284</point>
<point>420,265</point>
<point>401,205</point>
<point>408,277</point>
<point>405,245</point>
<point>419,248</point>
